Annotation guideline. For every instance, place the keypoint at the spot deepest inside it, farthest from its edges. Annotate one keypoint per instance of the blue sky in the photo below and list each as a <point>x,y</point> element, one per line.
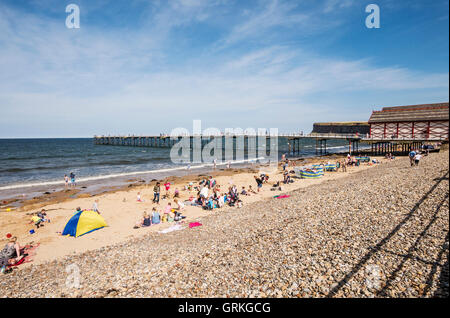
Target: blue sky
<point>145,67</point>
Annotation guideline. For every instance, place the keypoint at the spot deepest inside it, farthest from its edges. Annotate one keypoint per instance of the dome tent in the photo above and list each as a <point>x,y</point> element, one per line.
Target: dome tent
<point>84,222</point>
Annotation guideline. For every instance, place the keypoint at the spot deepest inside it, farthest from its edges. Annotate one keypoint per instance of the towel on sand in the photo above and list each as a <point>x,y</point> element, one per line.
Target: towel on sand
<point>28,251</point>
<point>176,227</point>
<point>194,224</point>
<point>282,196</point>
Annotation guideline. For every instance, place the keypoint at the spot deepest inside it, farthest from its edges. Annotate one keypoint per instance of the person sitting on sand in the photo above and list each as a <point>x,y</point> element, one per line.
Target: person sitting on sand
<point>176,193</point>
<point>239,204</point>
<point>168,209</point>
<point>250,190</point>
<point>286,178</point>
<point>144,222</point>
<point>78,210</point>
<point>244,192</point>
<point>204,192</point>
<point>37,220</point>
<point>156,218</point>
<point>180,205</point>
<point>43,216</point>
<point>10,254</point>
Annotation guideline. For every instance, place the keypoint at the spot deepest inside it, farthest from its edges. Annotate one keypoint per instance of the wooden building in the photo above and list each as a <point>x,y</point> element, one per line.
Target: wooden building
<point>424,122</point>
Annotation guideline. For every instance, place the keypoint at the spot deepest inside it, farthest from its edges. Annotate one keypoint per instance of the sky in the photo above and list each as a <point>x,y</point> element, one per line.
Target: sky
<point>146,67</point>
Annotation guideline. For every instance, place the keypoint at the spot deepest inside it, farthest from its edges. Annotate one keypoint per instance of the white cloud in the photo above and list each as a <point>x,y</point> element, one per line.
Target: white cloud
<point>112,81</point>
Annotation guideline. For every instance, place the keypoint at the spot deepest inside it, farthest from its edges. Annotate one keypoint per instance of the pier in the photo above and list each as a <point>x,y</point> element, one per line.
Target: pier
<point>378,146</point>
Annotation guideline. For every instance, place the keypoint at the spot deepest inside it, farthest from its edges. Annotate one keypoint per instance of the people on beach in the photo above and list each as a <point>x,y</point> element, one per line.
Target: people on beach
<point>167,187</point>
<point>156,218</point>
<point>412,154</point>
<point>43,215</point>
<point>344,166</point>
<point>180,205</point>
<point>259,182</point>
<point>72,180</point>
<point>417,158</point>
<point>95,206</point>
<point>10,254</point>
<point>139,199</point>
<point>144,222</point>
<point>66,181</point>
<point>156,192</point>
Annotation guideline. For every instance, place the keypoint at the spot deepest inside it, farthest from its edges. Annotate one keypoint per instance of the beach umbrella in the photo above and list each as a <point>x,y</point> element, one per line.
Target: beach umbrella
<point>84,222</point>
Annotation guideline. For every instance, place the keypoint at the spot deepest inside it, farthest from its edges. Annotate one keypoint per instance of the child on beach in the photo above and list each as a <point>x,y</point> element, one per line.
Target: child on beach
<point>144,222</point>
<point>344,166</point>
<point>139,199</point>
<point>167,186</point>
<point>156,218</point>
<point>43,216</point>
<point>180,205</point>
<point>37,221</point>
<point>95,206</point>
<point>167,210</point>
<point>66,181</point>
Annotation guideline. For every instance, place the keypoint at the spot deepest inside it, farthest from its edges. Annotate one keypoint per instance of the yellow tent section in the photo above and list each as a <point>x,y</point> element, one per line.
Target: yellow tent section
<point>84,222</point>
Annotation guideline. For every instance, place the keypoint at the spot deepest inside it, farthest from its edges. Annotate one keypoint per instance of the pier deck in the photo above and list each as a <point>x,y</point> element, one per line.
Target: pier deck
<point>379,146</point>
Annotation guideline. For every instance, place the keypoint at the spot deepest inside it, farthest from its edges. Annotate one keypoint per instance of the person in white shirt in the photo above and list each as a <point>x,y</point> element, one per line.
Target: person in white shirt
<point>204,192</point>
<point>417,158</point>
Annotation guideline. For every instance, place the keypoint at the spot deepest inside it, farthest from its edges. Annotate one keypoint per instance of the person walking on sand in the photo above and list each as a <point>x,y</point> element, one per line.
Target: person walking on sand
<point>156,191</point>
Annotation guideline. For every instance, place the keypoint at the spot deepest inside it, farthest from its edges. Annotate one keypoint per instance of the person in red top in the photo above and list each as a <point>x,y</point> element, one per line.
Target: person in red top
<point>167,185</point>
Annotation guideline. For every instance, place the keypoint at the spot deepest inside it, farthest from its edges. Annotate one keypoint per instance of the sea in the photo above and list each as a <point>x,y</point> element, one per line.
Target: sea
<point>29,166</point>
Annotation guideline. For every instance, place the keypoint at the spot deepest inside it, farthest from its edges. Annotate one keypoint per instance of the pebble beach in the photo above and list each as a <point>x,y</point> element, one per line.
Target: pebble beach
<point>379,232</point>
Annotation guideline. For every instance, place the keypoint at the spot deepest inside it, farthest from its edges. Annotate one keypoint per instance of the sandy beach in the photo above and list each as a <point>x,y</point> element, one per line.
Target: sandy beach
<point>375,231</point>
<point>121,210</point>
